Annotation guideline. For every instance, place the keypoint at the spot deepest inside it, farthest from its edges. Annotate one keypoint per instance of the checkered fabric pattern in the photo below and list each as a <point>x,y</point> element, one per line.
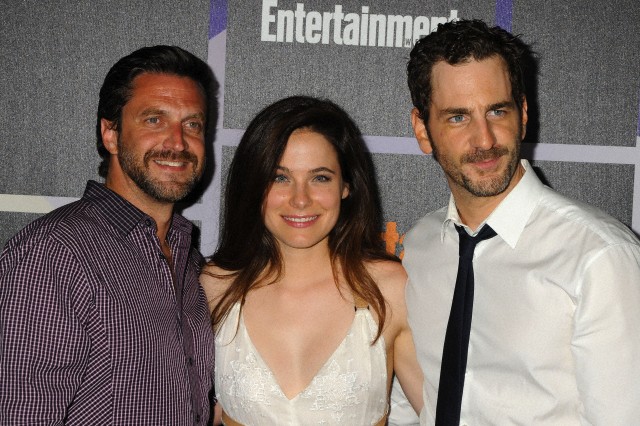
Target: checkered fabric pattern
<point>94,329</point>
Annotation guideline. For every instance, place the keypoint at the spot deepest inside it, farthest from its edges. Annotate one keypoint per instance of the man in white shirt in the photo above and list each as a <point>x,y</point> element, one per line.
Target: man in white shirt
<point>555,330</point>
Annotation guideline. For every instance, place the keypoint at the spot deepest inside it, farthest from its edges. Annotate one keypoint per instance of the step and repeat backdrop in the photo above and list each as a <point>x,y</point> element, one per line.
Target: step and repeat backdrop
<point>55,55</point>
<point>583,137</point>
<point>584,107</point>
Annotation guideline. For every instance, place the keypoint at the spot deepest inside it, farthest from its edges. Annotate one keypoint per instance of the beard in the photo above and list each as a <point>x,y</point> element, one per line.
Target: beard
<point>138,170</point>
<point>481,187</point>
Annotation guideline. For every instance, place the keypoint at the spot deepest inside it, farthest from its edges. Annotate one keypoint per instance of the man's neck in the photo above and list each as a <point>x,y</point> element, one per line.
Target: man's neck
<point>160,212</point>
<point>474,210</point>
<point>163,221</point>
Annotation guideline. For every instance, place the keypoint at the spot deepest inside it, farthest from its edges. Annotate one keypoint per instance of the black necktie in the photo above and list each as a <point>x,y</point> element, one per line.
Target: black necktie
<point>456,341</point>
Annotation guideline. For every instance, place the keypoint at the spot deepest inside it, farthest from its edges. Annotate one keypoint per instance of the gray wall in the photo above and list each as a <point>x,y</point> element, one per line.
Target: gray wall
<point>55,55</point>
<point>583,131</point>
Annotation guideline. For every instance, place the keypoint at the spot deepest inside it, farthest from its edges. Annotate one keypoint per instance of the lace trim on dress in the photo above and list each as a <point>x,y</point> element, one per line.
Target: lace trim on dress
<point>350,388</point>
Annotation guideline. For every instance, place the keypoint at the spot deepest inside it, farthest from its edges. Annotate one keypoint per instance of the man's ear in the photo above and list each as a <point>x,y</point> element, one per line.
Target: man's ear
<point>109,136</point>
<point>420,130</point>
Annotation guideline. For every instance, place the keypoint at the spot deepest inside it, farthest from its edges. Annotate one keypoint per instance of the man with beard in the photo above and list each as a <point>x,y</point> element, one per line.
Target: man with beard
<point>103,319</point>
<point>540,324</point>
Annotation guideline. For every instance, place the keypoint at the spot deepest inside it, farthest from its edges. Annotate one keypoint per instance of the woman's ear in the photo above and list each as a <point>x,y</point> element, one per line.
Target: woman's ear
<point>345,190</point>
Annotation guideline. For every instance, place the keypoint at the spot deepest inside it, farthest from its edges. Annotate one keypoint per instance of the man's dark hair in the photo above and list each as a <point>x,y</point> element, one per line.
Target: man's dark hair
<point>459,42</point>
<point>118,85</point>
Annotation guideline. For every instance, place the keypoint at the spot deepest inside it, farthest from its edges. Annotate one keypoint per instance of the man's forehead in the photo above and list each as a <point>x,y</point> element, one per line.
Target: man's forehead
<point>148,86</point>
<point>160,79</point>
<point>468,66</point>
<point>470,79</point>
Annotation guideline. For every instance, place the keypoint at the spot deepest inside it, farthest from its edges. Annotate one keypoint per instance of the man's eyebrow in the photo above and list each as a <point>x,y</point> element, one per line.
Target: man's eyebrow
<point>453,111</point>
<point>198,115</point>
<point>503,104</point>
<point>153,111</point>
<point>463,111</point>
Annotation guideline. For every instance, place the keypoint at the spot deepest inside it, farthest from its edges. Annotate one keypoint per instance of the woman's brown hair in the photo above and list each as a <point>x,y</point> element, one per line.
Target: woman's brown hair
<point>248,251</point>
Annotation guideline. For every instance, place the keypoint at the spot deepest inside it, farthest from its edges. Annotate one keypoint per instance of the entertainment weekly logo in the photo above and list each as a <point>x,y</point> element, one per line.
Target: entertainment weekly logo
<point>346,28</point>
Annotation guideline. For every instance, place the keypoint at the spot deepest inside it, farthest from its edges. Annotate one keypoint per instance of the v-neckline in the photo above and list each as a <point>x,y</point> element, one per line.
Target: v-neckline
<point>324,365</point>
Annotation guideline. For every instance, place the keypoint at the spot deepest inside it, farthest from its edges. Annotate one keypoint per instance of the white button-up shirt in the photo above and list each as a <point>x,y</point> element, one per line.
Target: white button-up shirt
<point>555,334</point>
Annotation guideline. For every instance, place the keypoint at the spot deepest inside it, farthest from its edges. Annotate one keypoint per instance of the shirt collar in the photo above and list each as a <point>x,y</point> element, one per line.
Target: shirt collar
<point>512,214</point>
<point>123,215</point>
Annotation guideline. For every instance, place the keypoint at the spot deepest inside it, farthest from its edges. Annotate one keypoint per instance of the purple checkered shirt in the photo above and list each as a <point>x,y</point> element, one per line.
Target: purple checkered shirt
<point>92,328</point>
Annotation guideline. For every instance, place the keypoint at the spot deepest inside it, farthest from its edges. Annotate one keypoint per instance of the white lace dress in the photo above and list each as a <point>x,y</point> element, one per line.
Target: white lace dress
<point>349,389</point>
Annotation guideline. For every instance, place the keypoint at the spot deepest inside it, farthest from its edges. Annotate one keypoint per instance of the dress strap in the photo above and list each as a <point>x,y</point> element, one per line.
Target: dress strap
<point>359,302</point>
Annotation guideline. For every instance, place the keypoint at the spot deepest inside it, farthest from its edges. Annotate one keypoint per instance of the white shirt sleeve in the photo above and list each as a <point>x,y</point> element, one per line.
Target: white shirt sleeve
<point>606,338</point>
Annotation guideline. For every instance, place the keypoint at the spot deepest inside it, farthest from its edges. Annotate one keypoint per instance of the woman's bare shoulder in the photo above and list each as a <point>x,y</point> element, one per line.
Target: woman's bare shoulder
<point>387,273</point>
<point>215,281</point>
<point>391,279</point>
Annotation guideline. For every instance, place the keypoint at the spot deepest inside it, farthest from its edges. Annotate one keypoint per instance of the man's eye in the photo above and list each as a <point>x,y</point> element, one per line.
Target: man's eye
<point>498,112</point>
<point>195,125</point>
<point>153,120</point>
<point>456,119</point>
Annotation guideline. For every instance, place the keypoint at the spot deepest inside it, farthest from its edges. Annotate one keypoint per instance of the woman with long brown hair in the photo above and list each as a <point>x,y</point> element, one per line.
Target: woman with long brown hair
<point>307,307</point>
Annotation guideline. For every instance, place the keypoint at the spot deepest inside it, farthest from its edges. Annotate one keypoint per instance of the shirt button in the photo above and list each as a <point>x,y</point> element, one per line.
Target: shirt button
<point>197,418</point>
<point>147,222</point>
<point>190,361</point>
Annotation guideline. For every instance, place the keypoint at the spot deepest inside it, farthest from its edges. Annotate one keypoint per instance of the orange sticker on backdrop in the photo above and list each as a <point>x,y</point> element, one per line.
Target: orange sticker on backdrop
<point>392,239</point>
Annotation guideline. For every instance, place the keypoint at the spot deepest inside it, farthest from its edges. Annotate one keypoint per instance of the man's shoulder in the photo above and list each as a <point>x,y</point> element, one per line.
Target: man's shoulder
<point>43,227</point>
<point>429,224</point>
<point>63,226</point>
<point>593,222</point>
<point>51,238</point>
